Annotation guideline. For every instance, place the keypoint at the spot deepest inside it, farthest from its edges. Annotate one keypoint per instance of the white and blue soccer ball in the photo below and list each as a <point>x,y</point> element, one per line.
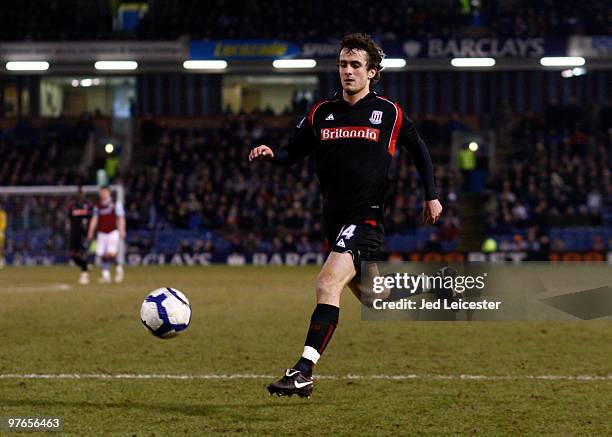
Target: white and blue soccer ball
<point>166,312</point>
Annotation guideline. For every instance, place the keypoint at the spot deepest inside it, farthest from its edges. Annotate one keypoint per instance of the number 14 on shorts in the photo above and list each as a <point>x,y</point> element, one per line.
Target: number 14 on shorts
<point>347,232</point>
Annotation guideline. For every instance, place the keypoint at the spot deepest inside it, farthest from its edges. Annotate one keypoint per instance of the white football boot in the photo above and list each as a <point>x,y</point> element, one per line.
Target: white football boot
<point>84,278</point>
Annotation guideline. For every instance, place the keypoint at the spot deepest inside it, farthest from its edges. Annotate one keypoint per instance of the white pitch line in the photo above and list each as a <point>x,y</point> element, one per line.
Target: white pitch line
<point>58,286</point>
<point>225,377</point>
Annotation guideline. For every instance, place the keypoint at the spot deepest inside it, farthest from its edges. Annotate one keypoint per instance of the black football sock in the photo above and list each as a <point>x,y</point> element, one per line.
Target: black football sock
<point>322,325</point>
<point>81,262</point>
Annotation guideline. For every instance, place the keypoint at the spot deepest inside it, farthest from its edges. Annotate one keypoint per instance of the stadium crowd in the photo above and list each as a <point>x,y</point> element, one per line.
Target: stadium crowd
<point>298,21</point>
<point>46,154</point>
<point>197,186</point>
<point>199,182</point>
<point>385,19</point>
<point>560,176</point>
<point>31,155</point>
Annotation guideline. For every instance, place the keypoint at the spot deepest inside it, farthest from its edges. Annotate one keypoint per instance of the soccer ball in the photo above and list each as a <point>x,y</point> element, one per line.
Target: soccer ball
<point>165,312</point>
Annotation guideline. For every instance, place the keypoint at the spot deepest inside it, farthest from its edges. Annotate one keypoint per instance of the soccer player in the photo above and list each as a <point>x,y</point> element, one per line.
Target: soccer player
<point>79,213</point>
<point>352,138</point>
<point>109,219</point>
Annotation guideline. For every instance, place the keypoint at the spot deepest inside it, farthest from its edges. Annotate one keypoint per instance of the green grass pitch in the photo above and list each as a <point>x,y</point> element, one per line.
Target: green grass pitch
<point>252,321</point>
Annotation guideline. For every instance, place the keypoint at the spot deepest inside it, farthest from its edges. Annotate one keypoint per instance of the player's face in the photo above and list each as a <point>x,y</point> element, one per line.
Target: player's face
<point>104,195</point>
<point>353,69</point>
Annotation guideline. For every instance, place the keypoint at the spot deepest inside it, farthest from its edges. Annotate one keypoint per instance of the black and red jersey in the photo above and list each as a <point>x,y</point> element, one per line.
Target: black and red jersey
<point>79,211</point>
<point>352,147</point>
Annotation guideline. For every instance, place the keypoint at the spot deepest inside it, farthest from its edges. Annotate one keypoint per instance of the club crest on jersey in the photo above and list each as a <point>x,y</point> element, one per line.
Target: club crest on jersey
<point>376,117</point>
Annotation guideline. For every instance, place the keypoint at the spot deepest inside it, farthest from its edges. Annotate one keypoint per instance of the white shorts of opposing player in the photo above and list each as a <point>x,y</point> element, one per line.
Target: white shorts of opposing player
<point>107,243</point>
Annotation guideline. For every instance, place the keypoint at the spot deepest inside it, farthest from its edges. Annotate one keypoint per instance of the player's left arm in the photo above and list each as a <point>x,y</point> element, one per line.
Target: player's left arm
<point>93,223</point>
<point>120,213</point>
<point>409,138</point>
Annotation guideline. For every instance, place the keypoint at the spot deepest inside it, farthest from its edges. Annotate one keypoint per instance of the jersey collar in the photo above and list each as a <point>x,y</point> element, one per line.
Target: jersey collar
<point>360,102</point>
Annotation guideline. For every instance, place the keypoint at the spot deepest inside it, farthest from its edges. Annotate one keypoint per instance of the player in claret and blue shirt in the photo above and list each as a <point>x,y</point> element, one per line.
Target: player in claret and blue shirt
<point>109,219</point>
<point>352,138</point>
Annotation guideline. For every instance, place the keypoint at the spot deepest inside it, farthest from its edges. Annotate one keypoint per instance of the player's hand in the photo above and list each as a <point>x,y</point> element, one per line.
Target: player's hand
<point>261,153</point>
<point>122,236</point>
<point>432,211</point>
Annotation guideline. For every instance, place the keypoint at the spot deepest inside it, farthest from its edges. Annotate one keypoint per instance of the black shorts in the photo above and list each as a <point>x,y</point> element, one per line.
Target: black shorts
<point>77,242</point>
<point>363,241</point>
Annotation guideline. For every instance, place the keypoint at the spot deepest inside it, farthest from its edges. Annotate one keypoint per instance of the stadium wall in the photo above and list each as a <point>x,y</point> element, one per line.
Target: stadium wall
<point>419,92</point>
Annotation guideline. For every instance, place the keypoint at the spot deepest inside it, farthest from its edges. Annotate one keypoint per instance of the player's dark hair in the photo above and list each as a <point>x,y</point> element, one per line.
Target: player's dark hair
<point>362,41</point>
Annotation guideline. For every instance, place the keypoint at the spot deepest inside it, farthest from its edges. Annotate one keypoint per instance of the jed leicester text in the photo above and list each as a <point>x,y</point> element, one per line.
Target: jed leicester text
<point>407,304</point>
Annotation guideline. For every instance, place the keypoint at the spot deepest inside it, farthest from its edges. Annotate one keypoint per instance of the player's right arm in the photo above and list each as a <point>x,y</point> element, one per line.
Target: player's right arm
<point>262,152</point>
<point>299,147</point>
